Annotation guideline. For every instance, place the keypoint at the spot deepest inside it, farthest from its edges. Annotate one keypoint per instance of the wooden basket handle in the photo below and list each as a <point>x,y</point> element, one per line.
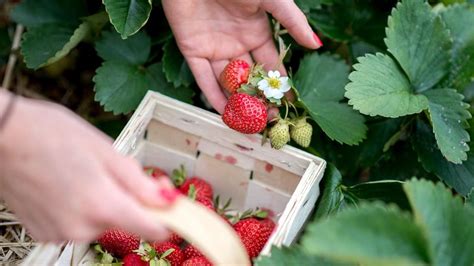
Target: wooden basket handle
<point>206,230</point>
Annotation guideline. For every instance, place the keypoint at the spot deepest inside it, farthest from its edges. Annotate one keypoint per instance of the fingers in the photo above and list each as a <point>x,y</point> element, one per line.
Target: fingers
<point>128,214</point>
<point>268,55</point>
<point>130,175</point>
<point>206,80</point>
<point>294,20</point>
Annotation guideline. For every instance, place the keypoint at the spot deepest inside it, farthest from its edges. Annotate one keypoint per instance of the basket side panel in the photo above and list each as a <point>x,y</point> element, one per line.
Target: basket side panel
<point>262,196</point>
<point>227,180</point>
<point>172,138</point>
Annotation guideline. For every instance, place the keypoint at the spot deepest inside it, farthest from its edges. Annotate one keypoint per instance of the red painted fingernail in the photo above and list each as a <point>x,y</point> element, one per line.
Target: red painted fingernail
<point>318,41</point>
<point>169,195</point>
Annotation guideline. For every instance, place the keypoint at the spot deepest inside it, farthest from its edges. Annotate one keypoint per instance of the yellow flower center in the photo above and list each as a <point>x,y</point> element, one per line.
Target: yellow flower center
<point>274,83</point>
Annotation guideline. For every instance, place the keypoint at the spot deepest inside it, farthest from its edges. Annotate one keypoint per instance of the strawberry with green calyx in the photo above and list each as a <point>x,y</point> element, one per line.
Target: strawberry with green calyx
<point>197,261</point>
<point>162,254</point>
<point>155,172</point>
<point>191,252</point>
<point>254,234</point>
<point>202,187</point>
<point>245,114</point>
<point>205,201</point>
<point>118,242</point>
<point>301,131</point>
<point>134,259</point>
<point>279,134</point>
<point>235,74</point>
<point>104,257</point>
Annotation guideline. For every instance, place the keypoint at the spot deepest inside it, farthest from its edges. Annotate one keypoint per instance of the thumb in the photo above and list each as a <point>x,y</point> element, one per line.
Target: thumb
<point>129,175</point>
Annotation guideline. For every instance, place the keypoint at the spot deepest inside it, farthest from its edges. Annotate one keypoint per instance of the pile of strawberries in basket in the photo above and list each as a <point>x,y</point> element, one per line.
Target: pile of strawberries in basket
<point>253,93</point>
<point>254,228</point>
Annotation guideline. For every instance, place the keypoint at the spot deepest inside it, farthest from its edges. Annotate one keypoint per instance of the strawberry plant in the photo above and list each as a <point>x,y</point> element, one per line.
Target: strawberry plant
<point>387,98</point>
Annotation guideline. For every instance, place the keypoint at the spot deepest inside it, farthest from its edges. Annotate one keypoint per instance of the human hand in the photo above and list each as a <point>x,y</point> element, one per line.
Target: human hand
<point>211,32</point>
<point>64,181</point>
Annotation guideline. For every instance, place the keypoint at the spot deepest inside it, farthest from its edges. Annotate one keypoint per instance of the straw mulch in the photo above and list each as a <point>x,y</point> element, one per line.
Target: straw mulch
<point>15,244</point>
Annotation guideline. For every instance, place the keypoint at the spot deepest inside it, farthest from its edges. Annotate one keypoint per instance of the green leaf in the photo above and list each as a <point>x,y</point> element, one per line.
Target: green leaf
<point>372,234</point>
<point>470,199</point>
<point>447,223</point>
<point>34,13</point>
<point>390,191</point>
<point>332,199</point>
<point>157,82</point>
<point>293,256</point>
<point>458,176</point>
<point>448,115</point>
<point>379,133</point>
<point>128,16</point>
<point>320,83</point>
<point>120,86</point>
<point>175,67</point>
<point>39,51</point>
<point>418,40</point>
<point>134,50</point>
<point>456,18</point>
<point>378,87</point>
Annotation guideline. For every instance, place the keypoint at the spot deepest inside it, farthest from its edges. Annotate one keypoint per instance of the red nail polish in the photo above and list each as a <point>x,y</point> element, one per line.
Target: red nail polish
<point>169,195</point>
<point>318,41</point>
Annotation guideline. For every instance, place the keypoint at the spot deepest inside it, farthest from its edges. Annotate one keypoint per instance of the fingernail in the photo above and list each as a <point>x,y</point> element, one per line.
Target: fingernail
<point>318,41</point>
<point>169,195</point>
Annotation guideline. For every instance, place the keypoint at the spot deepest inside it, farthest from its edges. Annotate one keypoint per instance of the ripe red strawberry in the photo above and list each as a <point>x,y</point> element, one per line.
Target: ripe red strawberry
<point>175,258</point>
<point>206,202</point>
<point>245,113</point>
<point>155,172</point>
<point>175,238</point>
<point>202,187</point>
<point>119,242</point>
<point>134,259</point>
<point>191,252</point>
<point>254,235</point>
<point>197,261</point>
<point>235,74</point>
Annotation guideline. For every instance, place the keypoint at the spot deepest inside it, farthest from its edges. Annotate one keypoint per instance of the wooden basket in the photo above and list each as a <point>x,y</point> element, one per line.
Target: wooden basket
<point>168,133</point>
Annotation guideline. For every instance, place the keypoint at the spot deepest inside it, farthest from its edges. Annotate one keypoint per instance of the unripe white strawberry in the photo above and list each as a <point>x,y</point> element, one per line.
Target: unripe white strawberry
<point>280,134</point>
<point>301,131</point>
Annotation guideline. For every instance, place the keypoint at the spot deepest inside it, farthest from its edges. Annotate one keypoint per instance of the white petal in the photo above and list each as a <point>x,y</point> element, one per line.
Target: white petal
<point>278,94</point>
<point>263,84</point>
<point>274,74</point>
<point>285,86</point>
<point>269,92</point>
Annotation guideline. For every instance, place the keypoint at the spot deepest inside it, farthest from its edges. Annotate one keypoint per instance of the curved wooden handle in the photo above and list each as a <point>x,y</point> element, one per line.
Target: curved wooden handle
<point>206,230</point>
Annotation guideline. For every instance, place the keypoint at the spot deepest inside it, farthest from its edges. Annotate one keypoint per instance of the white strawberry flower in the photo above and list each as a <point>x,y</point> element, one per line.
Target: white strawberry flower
<point>274,86</point>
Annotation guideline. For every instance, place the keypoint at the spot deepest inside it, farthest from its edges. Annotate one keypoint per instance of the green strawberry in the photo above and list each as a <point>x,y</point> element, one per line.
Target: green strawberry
<point>280,134</point>
<point>301,131</point>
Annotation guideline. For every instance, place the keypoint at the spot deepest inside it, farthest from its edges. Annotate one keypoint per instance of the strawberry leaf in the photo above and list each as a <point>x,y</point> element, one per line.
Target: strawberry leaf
<point>34,13</point>
<point>458,176</point>
<point>448,115</point>
<point>320,84</point>
<point>394,238</point>
<point>120,87</point>
<point>134,50</point>
<point>445,220</point>
<point>128,16</point>
<point>174,66</point>
<point>157,82</point>
<point>417,38</point>
<point>379,87</point>
<point>37,49</point>
<point>456,18</point>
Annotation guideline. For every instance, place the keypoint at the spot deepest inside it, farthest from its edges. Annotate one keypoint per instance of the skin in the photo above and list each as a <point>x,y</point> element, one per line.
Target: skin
<point>62,177</point>
<point>209,33</point>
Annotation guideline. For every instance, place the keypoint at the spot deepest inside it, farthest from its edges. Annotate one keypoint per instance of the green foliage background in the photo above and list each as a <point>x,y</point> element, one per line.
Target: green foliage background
<point>390,96</point>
